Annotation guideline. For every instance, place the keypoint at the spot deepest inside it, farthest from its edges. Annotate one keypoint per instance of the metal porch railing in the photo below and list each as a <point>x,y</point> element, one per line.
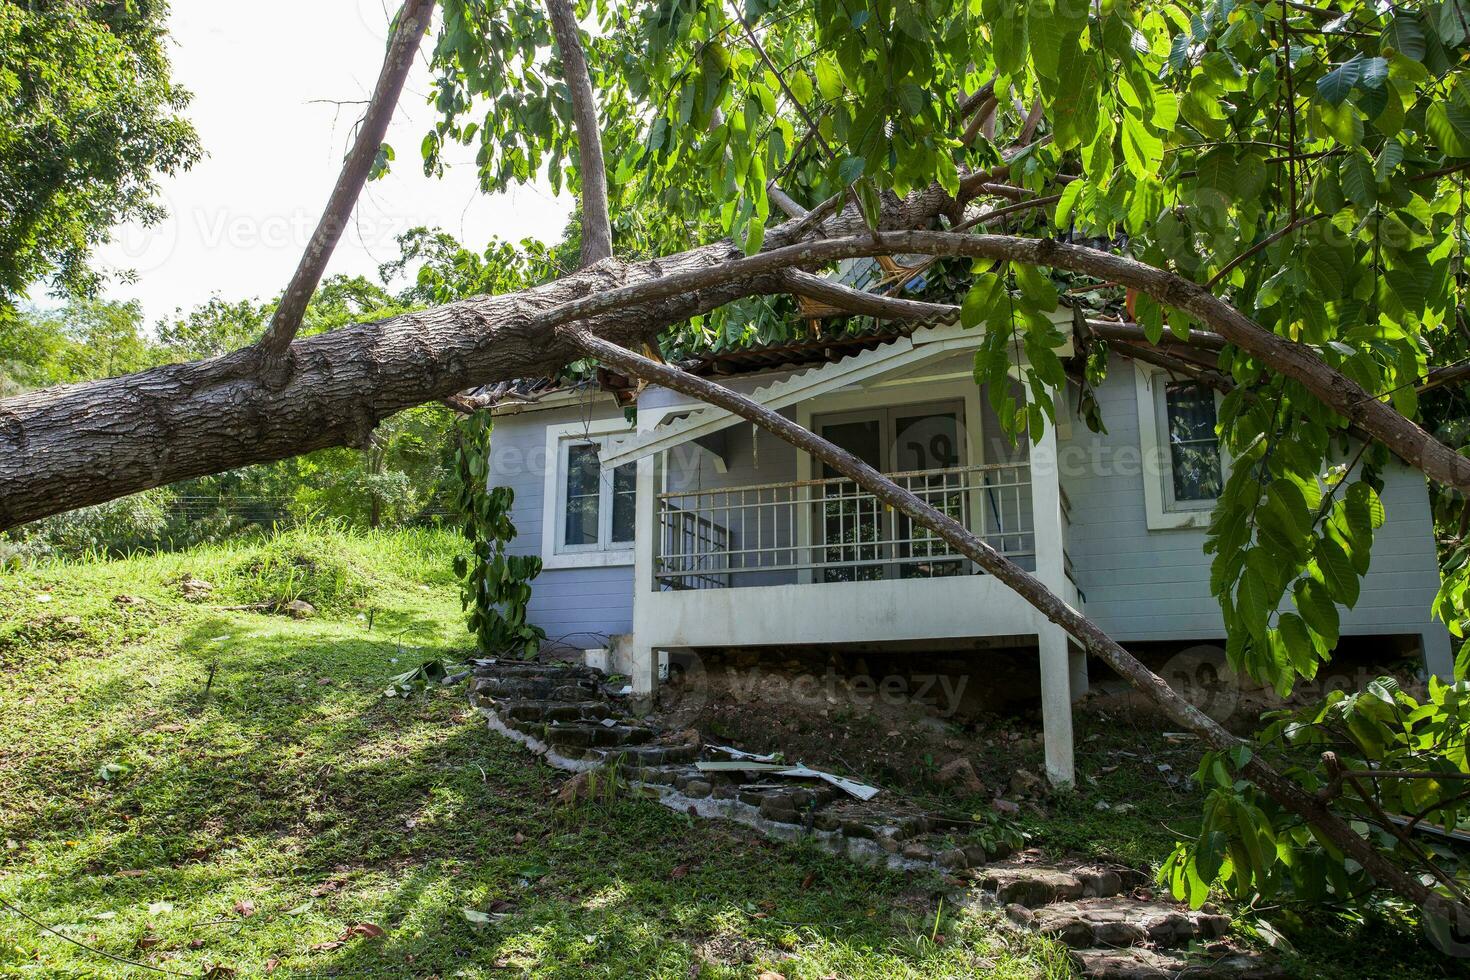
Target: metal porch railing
<point>830,530</point>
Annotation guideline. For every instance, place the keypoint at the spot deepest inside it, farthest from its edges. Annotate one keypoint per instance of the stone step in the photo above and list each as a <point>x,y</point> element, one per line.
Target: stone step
<point>507,669</point>
<point>644,756</point>
<point>536,689</point>
<point>1032,885</point>
<point>554,710</point>
<point>1149,964</point>
<point>574,735</point>
<point>1121,922</point>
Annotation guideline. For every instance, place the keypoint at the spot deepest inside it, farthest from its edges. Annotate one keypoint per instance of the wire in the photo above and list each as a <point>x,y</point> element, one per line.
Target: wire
<point>91,949</point>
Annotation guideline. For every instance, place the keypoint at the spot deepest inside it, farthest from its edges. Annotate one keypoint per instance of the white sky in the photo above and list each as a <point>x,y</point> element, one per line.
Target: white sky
<point>240,218</point>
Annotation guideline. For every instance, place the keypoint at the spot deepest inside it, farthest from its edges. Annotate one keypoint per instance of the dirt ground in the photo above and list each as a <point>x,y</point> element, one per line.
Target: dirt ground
<point>903,720</point>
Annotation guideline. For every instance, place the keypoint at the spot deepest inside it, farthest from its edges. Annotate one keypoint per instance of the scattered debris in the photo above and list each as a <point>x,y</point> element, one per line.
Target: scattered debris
<point>562,712</point>
<point>194,589</point>
<point>960,774</point>
<point>430,673</point>
<point>798,771</point>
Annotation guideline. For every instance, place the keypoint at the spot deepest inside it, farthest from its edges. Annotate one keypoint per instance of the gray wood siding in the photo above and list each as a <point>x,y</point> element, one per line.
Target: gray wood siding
<point>1143,584</point>
<point>580,607</point>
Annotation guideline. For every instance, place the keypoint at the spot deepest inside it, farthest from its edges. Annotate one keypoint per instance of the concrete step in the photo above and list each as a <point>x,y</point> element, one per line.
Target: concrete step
<point>1149,964</point>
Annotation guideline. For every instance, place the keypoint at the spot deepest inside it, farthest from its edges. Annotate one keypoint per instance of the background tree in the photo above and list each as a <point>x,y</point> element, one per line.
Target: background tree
<point>90,119</point>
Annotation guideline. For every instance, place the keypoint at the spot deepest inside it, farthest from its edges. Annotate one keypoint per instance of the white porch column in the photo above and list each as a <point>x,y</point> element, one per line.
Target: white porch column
<point>643,657</point>
<point>1057,684</point>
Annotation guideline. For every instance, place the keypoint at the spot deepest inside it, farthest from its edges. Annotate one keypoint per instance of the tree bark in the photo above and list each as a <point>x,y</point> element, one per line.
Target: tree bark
<point>1097,643</point>
<point>68,447</point>
<point>413,20</point>
<point>74,445</point>
<point>596,224</point>
<point>1296,361</point>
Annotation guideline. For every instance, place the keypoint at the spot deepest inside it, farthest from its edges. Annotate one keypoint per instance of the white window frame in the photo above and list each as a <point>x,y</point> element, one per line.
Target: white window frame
<point>1162,510</point>
<point>555,553</point>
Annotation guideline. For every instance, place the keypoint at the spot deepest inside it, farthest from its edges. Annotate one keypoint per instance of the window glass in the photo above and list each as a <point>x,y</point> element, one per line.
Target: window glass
<point>625,488</point>
<point>1194,450</point>
<point>583,473</point>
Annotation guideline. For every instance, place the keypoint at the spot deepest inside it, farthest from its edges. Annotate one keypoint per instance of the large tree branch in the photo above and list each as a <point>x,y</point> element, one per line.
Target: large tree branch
<point>596,223</point>
<point>71,446</point>
<point>1296,361</point>
<point>1092,637</point>
<point>68,447</point>
<point>412,22</point>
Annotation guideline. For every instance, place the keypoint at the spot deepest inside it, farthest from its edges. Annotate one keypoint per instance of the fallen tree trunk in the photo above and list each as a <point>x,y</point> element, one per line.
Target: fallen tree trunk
<point>1091,636</point>
<point>71,446</point>
<point>67,447</point>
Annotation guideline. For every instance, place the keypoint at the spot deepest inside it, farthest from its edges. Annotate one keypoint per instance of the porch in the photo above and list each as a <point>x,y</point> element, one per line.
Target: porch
<point>742,541</point>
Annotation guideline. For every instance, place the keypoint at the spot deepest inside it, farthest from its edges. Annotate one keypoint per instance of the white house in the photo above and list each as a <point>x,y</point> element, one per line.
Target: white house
<point>676,526</point>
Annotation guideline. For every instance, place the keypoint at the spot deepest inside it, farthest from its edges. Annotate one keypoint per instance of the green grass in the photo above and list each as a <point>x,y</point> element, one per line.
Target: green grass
<point>166,762</point>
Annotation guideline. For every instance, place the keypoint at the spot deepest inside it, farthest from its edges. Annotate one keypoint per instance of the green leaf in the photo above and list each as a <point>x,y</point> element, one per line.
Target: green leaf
<point>985,293</point>
<point>1336,572</point>
<point>1150,317</point>
<point>1318,610</point>
<point>1297,642</point>
<point>1404,35</point>
<point>1062,217</point>
<point>1334,86</point>
<point>829,79</point>
<point>1142,150</point>
<point>801,86</point>
<point>1449,124</point>
<point>851,169</point>
<point>1036,287</point>
<point>1255,601</point>
<point>1358,183</point>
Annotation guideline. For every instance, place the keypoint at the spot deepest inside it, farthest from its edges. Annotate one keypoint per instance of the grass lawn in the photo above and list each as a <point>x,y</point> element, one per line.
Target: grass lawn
<point>198,787</point>
<point>251,820</point>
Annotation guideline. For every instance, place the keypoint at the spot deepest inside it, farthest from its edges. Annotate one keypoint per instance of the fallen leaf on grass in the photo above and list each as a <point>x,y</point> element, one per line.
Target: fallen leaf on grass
<point>245,908</point>
<point>219,972</point>
<point>327,887</point>
<point>148,942</point>
<point>807,881</point>
<point>769,975</point>
<point>366,930</point>
<point>679,872</point>
<point>360,930</point>
<point>271,964</point>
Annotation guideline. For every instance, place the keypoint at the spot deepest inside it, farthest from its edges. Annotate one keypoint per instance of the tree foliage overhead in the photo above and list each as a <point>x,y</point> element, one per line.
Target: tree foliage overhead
<point>1304,162</point>
<point>91,117</point>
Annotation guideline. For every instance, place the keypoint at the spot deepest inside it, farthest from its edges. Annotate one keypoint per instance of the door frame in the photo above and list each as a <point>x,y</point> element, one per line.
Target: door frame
<point>940,388</point>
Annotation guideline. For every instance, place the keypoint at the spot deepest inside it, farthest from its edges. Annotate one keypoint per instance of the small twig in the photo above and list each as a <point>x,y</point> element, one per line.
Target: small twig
<point>1264,243</point>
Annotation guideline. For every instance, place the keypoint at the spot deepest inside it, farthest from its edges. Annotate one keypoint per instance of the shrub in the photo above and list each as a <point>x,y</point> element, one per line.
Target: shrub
<point>309,563</point>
